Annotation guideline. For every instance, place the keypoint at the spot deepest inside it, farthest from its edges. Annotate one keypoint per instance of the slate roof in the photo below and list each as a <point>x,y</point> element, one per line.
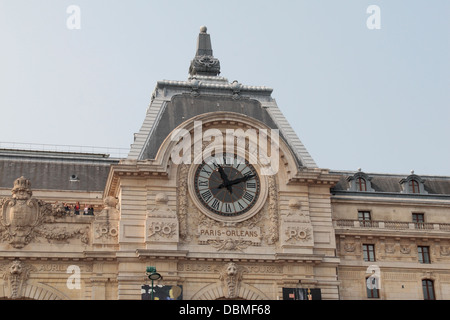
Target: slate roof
<point>55,170</point>
<point>390,183</point>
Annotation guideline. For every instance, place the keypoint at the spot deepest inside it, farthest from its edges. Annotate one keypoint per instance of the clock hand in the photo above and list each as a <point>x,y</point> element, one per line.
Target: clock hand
<point>243,179</point>
<point>224,177</point>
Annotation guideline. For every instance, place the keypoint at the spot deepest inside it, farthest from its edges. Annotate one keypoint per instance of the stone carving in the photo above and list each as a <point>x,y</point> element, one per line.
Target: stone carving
<point>296,234</point>
<point>390,248</point>
<point>445,251</point>
<point>106,224</point>
<point>15,275</point>
<point>230,244</point>
<point>296,227</point>
<point>20,214</point>
<point>183,201</point>
<point>110,210</point>
<point>232,236</point>
<point>231,277</point>
<point>273,211</point>
<point>62,234</point>
<point>23,218</point>
<point>205,65</point>
<point>162,224</point>
<point>236,87</point>
<point>405,249</point>
<point>350,247</point>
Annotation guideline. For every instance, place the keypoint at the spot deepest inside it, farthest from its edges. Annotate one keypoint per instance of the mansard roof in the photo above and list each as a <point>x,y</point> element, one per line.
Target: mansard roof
<point>392,183</point>
<point>174,102</point>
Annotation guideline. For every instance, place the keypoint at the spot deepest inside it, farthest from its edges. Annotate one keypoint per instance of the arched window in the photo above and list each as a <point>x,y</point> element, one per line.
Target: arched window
<point>361,184</point>
<point>428,289</point>
<point>414,186</point>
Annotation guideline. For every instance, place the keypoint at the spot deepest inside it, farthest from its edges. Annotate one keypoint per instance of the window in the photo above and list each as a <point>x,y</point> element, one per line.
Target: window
<point>369,252</point>
<point>428,289</point>
<point>424,254</point>
<point>361,184</point>
<point>414,186</point>
<point>364,218</point>
<point>418,219</point>
<point>372,287</point>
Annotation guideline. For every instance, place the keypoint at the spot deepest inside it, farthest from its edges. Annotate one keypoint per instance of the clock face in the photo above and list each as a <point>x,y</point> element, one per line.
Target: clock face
<point>227,185</point>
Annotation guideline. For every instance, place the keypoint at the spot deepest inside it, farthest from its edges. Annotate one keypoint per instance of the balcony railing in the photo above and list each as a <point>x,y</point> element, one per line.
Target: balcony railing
<point>391,225</point>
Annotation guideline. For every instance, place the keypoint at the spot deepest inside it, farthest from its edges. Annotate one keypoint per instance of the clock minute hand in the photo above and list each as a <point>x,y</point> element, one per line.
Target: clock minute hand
<point>243,179</point>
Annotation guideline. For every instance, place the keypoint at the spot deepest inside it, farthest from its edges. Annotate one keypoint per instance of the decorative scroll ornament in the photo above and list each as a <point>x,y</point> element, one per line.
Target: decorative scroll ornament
<point>205,65</point>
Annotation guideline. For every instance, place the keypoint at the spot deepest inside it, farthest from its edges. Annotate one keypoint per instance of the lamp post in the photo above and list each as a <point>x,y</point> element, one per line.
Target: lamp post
<point>152,275</point>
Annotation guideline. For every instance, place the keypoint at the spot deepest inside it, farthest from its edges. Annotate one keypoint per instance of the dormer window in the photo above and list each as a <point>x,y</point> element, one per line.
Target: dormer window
<point>359,182</point>
<point>413,184</point>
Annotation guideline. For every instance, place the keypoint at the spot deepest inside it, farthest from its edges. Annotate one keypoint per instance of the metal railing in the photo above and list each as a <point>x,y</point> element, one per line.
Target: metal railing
<point>391,225</point>
<point>110,151</point>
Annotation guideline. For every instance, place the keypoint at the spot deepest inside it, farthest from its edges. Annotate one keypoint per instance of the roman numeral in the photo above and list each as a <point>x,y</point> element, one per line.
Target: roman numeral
<point>206,195</point>
<point>206,171</point>
<point>251,185</point>
<point>215,204</point>
<point>248,196</point>
<point>240,206</point>
<point>249,172</point>
<point>228,208</point>
<point>202,183</point>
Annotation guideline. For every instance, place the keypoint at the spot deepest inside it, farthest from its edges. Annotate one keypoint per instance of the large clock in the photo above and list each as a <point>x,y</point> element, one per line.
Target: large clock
<point>227,185</point>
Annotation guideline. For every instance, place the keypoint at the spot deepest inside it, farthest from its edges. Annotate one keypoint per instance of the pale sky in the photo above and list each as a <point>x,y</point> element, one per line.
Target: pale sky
<point>375,99</point>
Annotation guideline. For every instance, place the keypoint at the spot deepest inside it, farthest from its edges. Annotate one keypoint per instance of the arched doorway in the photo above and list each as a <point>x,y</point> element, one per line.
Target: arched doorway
<point>215,291</point>
<point>32,292</point>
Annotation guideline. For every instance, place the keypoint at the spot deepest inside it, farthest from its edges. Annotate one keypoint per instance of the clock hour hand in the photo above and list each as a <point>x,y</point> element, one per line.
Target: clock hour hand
<point>226,183</point>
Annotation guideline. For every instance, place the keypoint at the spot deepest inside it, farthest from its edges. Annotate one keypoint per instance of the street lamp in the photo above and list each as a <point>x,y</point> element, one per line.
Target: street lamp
<point>152,275</point>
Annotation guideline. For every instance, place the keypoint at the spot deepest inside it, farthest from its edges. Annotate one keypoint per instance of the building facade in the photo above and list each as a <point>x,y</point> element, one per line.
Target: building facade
<point>220,197</point>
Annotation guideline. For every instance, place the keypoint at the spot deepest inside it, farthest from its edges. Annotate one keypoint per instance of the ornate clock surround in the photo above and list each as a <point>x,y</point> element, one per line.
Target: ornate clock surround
<point>255,208</point>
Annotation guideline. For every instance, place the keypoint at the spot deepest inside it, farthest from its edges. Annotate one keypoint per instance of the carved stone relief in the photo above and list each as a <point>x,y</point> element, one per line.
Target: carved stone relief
<point>444,251</point>
<point>106,224</point>
<point>182,198</point>
<point>296,227</point>
<point>162,223</point>
<point>273,211</point>
<point>231,277</point>
<point>15,275</point>
<point>229,236</point>
<point>24,218</point>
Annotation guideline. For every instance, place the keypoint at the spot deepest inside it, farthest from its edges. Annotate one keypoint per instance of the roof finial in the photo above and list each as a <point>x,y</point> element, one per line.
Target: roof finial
<point>204,62</point>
